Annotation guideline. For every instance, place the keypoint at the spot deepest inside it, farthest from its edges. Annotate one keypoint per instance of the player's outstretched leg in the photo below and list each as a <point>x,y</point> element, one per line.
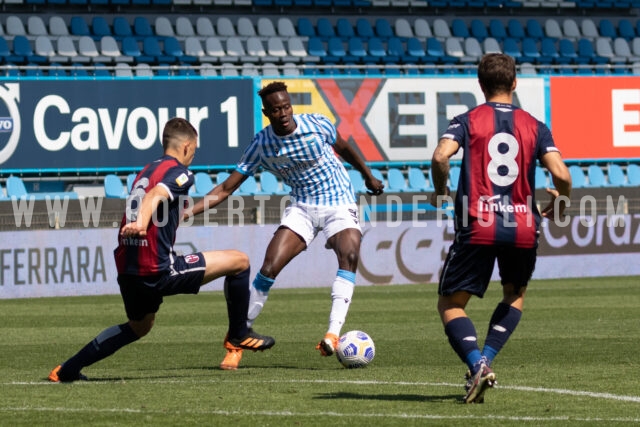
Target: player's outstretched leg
<point>341,295</point>
<point>478,383</point>
<point>234,346</point>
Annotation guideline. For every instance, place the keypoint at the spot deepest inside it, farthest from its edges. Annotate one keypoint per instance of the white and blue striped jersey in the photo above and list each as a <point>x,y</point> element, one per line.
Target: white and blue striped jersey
<point>304,160</point>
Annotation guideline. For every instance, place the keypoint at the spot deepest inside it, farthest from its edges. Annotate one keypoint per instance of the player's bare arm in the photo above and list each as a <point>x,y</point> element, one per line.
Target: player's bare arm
<point>148,206</point>
<point>562,182</point>
<point>217,195</point>
<point>440,168</point>
<point>351,156</point>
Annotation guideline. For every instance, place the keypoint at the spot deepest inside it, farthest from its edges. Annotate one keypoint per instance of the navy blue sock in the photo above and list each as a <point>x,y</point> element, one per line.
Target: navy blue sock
<point>105,344</point>
<point>236,292</point>
<point>503,322</point>
<point>464,340</point>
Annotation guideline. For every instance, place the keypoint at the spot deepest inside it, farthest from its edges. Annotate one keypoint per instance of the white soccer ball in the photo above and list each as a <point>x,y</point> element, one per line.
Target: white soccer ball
<point>355,349</point>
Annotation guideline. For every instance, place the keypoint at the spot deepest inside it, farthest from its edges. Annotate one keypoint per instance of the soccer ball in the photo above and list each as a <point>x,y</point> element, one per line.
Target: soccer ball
<point>355,349</point>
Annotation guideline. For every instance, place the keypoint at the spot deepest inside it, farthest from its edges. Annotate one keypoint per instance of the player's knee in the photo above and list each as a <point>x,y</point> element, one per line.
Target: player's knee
<point>242,261</point>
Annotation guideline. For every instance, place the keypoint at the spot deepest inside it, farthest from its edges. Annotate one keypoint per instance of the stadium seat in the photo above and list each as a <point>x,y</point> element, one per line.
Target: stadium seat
<point>478,29</point>
<point>357,181</point>
<point>568,53</point>
<point>587,53</point>
<point>344,29</point>
<point>245,27</point>
<point>44,48</point>
<point>491,45</point>
<point>109,48</point>
<point>459,28</point>
<point>570,29</point>
<point>87,47</point>
<point>79,27</point>
<point>249,187</point>
<point>184,27</point>
<point>100,27</point>
<point>497,30</point>
<point>417,180</point>
<point>542,179</point>
<point>142,27</point>
<point>224,27</point>
<point>533,29</point>
<point>305,28</point>
<point>36,26</point>
<point>633,174</point>
<point>113,187</point>
<point>435,49</point>
<point>324,28</point>
<point>441,29</point>
<point>604,49</point>
<point>143,70</point>
<point>415,51</point>
<point>383,28</point>
<point>22,49</point>
<point>16,188</point>
<point>269,184</point>
<point>421,28</point>
<point>588,29</point>
<point>596,176</point>
<point>202,184</point>
<point>626,30</point>
<point>57,26</point>
<point>163,27</point>
<point>552,29</point>
<point>14,26</point>
<point>454,177</point>
<point>607,29</point>
<point>616,175</point>
<point>285,27</point>
<point>204,27</point>
<point>577,176</point>
<point>396,180</point>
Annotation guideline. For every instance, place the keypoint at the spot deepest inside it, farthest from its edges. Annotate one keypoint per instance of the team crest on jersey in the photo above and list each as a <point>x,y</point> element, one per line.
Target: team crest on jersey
<point>182,179</point>
<point>192,258</point>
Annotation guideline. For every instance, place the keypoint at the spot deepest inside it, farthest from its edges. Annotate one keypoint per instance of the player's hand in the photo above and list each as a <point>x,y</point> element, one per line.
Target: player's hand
<point>374,186</point>
<point>555,208</point>
<point>438,200</point>
<point>132,229</point>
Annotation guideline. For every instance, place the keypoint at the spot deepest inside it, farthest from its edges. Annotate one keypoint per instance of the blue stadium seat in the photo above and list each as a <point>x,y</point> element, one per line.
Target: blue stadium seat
<point>497,29</point>
<point>395,48</point>
<point>305,28</point>
<point>344,29</point>
<point>511,47</point>
<point>415,51</point>
<point>357,181</point>
<point>534,29</point>
<point>418,181</point>
<point>121,28</point>
<point>324,28</point>
<point>377,52</point>
<point>626,30</point>
<point>202,184</point>
<point>578,177</point>
<point>515,29</point>
<point>633,174</point>
<point>542,180</point>
<point>316,48</point>
<point>378,175</point>
<point>549,53</point>
<point>269,184</point>
<point>396,180</point>
<point>607,29</point>
<point>142,27</point>
<point>459,28</point>
<point>454,177</point>
<point>383,28</point>
<point>172,48</point>
<point>356,52</point>
<point>78,26</point>
<point>335,51</point>
<point>16,188</point>
<point>151,48</point>
<point>113,187</point>
<point>616,175</point>
<point>568,54</point>
<point>478,29</point>
<point>100,27</point>
<point>249,187</point>
<point>596,176</point>
<point>130,47</point>
<point>531,52</point>
<point>364,30</point>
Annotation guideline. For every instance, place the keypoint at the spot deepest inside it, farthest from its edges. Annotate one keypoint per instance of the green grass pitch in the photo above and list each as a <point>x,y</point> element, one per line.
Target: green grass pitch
<point>573,360</point>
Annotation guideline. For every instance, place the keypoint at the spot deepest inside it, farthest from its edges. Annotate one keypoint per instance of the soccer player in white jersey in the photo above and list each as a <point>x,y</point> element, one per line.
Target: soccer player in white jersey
<point>300,150</point>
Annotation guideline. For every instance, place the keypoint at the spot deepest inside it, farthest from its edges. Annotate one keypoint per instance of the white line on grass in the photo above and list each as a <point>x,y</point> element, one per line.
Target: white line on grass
<point>317,414</point>
<point>609,396</point>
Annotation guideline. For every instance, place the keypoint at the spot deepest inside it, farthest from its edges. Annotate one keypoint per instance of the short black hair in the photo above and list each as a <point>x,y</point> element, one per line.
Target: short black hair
<point>496,73</point>
<point>176,130</point>
<point>272,87</point>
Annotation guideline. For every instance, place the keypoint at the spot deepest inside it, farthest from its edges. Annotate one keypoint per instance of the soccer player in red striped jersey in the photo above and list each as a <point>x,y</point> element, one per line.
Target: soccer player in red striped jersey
<point>496,216</point>
<point>149,269</point>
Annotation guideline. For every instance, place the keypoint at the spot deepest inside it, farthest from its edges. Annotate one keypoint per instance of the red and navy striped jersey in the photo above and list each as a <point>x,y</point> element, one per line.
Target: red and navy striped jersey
<point>154,254</point>
<point>495,198</point>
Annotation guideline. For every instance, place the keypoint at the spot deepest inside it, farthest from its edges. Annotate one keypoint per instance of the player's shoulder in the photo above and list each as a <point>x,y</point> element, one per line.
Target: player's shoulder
<point>313,118</point>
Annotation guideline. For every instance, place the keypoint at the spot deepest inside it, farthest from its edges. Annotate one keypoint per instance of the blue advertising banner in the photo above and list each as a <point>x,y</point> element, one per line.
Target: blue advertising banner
<point>88,124</point>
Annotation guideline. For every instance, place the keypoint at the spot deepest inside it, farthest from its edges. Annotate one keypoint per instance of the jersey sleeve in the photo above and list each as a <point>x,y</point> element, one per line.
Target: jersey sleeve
<point>328,128</point>
<point>177,181</point>
<point>250,160</point>
<point>455,130</point>
<point>545,141</point>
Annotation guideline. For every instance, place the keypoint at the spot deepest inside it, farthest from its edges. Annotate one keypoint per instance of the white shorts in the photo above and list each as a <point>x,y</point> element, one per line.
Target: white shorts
<point>307,220</point>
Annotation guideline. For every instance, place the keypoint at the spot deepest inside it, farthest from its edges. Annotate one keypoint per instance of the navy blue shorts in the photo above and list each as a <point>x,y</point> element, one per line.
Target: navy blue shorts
<point>143,294</point>
<point>469,267</point>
